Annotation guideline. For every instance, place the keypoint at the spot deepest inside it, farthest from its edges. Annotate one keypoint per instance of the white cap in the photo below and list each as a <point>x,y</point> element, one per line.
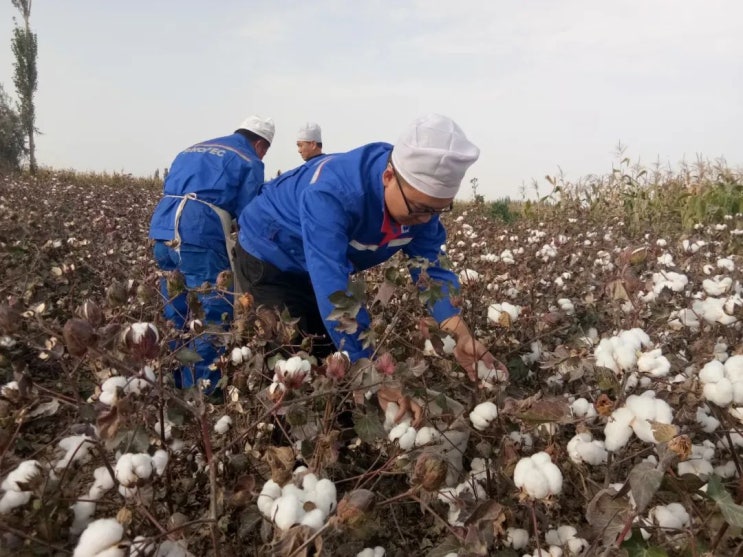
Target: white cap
<point>433,154</point>
<point>310,132</point>
<point>263,127</point>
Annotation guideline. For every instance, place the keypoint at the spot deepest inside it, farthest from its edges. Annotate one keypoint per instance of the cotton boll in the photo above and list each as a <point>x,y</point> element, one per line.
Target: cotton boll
<point>223,425</point>
<point>734,368</point>
<point>712,372</point>
<point>286,511</point>
<point>291,489</point>
<point>483,414</point>
<point>583,448</point>
<point>538,476</point>
<point>236,356</point>
<point>82,511</point>
<point>516,538</point>
<point>315,519</point>
<point>708,423</point>
<point>309,481</point>
<point>325,496</point>
<point>270,492</point>
<point>720,393</point>
<point>407,439</point>
<point>582,408</point>
<point>399,430</point>
<point>426,435</point>
<point>654,363</point>
<point>672,516</point>
<point>100,535</point>
<point>160,461</point>
<point>618,430</point>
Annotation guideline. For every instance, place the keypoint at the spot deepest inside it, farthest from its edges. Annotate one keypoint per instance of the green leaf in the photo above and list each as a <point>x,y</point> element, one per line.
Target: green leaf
<point>733,513</point>
<point>636,546</point>
<point>367,426</point>
<point>644,481</point>
<point>188,356</point>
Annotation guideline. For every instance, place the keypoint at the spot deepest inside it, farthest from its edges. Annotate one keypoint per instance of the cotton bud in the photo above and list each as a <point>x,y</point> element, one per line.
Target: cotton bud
<point>10,319</point>
<point>224,280</point>
<point>91,313</point>
<point>142,339</point>
<point>78,336</point>
<point>355,506</point>
<point>116,294</point>
<point>337,365</point>
<point>430,471</point>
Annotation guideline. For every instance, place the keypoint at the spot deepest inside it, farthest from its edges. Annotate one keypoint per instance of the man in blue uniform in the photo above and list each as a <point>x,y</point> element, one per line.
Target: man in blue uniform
<point>207,187</point>
<point>316,225</point>
<point>309,141</point>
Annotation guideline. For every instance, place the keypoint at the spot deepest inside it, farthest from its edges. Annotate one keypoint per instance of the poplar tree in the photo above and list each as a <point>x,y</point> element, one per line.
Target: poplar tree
<point>24,47</point>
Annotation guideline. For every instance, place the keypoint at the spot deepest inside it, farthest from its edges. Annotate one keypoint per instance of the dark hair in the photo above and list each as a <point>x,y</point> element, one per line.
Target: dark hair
<point>252,137</point>
<point>319,144</point>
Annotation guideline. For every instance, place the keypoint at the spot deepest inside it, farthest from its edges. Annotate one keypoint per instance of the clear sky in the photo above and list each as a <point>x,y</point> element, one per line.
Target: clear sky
<point>125,85</point>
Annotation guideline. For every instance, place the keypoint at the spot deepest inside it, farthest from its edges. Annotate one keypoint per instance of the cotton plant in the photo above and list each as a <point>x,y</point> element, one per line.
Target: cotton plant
<point>635,417</point>
<point>537,476</point>
<point>285,506</point>
<point>15,483</point>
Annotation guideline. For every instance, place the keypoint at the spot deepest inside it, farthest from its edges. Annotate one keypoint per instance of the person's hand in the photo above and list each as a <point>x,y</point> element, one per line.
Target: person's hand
<point>469,352</point>
<point>387,394</point>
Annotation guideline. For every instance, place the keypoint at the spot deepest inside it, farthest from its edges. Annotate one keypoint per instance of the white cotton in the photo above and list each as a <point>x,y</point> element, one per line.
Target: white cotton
<point>77,449</point>
<point>449,344</point>
<point>720,393</point>
<point>696,466</point>
<point>315,519</point>
<point>734,367</point>
<point>428,349</point>
<point>269,493</point>
<point>517,538</point>
<point>286,511</point>
<point>483,414</point>
<point>665,259</point>
<point>21,474</point>
<point>171,548</point>
<point>713,310</point>
<point>167,430</point>
<point>717,286</point>
<point>566,305</point>
<point>708,423</point>
<point>236,356</point>
<point>223,425</point>
<point>399,430</point>
<point>295,490</point>
<point>309,481</point>
<point>654,363</point>
<point>324,496</point>
<point>560,535</point>
<point>377,551</point>
<point>407,440</point>
<point>672,516</point>
<point>618,430</point>
<point>496,310</point>
<point>583,448</point>
<point>160,461</point>
<point>102,535</point>
<point>82,512</point>
<point>582,408</point>
<point>727,470</point>
<point>726,264</point>
<point>490,375</point>
<point>131,467</point>
<point>712,372</point>
<point>675,282</point>
<point>647,408</point>
<point>426,435</point>
<point>469,276</point>
<point>12,499</point>
<point>538,476</point>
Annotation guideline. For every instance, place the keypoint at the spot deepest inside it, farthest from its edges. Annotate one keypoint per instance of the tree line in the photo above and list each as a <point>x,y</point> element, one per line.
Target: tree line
<point>18,121</point>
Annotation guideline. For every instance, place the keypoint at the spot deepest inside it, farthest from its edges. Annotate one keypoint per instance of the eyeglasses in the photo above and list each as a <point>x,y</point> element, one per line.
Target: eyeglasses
<point>415,208</point>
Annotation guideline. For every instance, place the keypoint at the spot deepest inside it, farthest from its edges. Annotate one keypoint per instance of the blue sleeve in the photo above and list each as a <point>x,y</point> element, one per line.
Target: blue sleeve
<point>427,244</point>
<point>251,181</point>
<point>326,222</point>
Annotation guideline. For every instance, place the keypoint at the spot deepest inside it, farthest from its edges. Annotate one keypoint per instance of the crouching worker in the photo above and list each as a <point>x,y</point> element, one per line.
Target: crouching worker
<point>314,226</point>
<point>207,187</point>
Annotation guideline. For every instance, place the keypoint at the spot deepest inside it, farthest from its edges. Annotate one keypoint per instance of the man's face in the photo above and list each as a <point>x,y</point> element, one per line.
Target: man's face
<point>407,205</point>
<point>308,149</point>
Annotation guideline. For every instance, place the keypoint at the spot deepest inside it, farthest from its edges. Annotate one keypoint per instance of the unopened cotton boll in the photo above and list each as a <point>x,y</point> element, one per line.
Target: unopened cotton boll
<point>102,535</point>
<point>483,414</point>
<point>223,425</point>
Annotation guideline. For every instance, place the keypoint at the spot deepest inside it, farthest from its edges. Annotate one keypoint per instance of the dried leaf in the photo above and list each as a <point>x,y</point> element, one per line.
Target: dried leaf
<point>608,515</point>
<point>385,292</point>
<point>663,432</point>
<point>281,462</point>
<point>644,481</point>
<point>550,409</point>
<point>44,409</point>
<point>293,539</point>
